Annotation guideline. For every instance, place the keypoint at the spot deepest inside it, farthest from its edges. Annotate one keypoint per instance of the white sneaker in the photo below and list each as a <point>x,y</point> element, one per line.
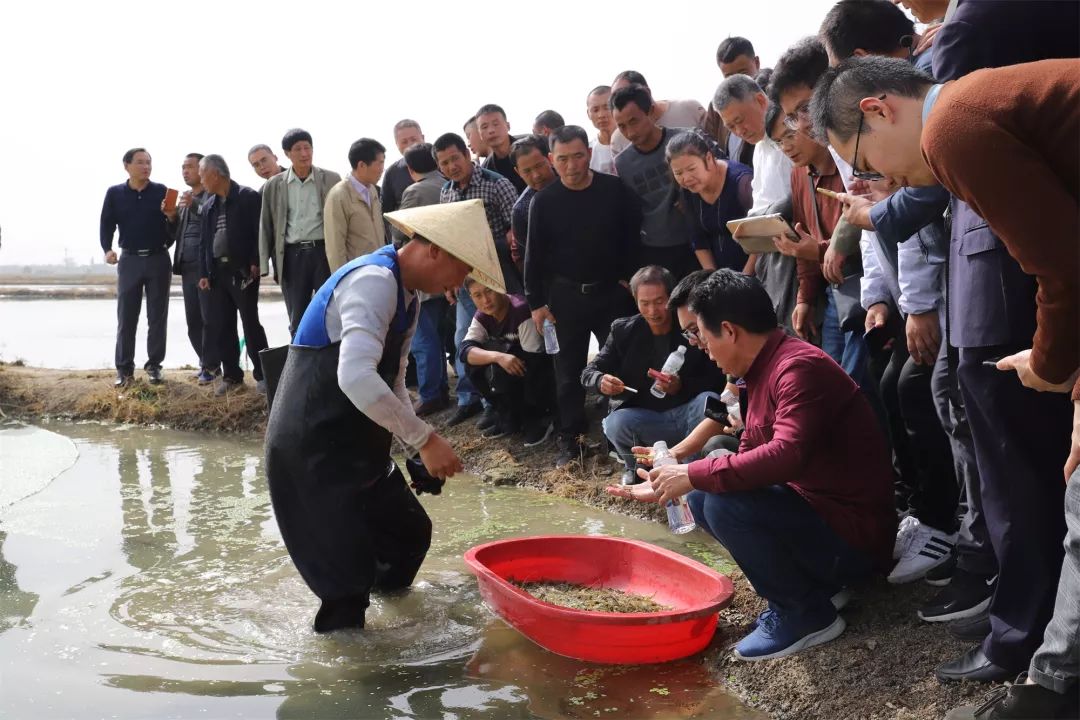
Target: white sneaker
<point>903,536</point>
<point>926,549</point>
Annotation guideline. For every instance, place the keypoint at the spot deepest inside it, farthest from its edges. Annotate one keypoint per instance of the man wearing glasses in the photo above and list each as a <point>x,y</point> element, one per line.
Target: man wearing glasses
<point>637,346</point>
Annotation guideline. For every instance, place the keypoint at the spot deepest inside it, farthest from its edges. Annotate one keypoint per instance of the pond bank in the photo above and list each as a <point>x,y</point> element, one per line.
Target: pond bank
<point>882,667</point>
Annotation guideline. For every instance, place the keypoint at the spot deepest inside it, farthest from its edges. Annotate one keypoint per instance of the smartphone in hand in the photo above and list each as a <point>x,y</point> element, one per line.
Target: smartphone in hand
<point>170,200</point>
<point>878,339</point>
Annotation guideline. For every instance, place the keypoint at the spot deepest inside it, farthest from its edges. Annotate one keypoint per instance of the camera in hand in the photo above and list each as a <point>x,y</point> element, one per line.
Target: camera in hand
<point>420,480</point>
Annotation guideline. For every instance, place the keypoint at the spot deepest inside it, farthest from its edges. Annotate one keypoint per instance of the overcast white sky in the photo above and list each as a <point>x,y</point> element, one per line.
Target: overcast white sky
<point>85,81</point>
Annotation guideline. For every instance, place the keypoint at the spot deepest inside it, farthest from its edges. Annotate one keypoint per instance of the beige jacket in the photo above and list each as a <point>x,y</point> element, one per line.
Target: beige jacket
<point>352,227</point>
<point>275,213</point>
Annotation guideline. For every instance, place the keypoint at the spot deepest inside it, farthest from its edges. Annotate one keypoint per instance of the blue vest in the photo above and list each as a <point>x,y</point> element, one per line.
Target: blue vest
<point>312,329</point>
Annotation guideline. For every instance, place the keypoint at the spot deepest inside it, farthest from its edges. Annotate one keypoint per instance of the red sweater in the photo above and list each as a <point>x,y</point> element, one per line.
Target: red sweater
<point>1007,142</point>
<point>810,427</point>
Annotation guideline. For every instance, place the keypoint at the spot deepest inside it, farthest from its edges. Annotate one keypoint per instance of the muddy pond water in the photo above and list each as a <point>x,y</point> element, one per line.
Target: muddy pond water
<point>142,576</point>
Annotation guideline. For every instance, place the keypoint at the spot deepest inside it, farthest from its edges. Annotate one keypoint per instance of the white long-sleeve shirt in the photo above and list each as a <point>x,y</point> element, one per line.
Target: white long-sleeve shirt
<point>772,176</point>
<point>359,315</point>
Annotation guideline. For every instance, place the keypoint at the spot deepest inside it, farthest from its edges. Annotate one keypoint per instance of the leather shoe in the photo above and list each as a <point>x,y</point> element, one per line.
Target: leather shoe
<point>974,666</point>
<point>122,380</point>
<point>630,477</point>
<point>973,629</point>
<point>154,375</point>
<point>432,406</point>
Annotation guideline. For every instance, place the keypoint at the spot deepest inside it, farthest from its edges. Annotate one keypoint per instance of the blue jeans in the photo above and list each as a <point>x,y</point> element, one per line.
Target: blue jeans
<point>627,427</point>
<point>787,551</point>
<point>466,308</point>
<point>427,348</point>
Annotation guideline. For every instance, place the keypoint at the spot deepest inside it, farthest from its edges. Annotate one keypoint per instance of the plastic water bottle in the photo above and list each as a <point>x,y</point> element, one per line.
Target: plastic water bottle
<point>731,400</point>
<point>679,517</point>
<point>672,366</point>
<point>551,340</point>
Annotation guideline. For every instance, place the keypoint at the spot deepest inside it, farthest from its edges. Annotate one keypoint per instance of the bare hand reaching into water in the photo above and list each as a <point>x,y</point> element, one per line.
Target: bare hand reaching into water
<point>439,458</point>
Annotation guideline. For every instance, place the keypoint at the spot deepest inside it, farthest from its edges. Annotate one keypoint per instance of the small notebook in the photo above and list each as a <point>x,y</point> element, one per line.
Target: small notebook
<point>755,234</point>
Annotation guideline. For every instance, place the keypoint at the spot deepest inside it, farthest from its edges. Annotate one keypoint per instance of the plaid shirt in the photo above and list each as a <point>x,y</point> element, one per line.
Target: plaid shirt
<point>498,195</point>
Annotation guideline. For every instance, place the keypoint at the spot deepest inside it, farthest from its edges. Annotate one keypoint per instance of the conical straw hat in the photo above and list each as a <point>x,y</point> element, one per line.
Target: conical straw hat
<point>459,228</point>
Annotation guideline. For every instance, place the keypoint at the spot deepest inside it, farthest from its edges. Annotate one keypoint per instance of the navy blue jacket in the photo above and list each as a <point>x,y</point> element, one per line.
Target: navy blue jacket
<point>138,215</point>
<point>982,274</point>
<point>242,208</point>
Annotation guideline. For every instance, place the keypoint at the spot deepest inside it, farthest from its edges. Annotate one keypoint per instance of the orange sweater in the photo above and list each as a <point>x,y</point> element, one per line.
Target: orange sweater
<point>1007,142</point>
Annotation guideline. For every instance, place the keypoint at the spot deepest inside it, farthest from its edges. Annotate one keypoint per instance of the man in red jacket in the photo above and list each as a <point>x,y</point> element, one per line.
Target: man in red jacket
<point>806,505</point>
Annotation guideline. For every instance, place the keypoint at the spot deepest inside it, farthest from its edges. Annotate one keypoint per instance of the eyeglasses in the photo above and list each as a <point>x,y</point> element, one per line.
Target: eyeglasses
<point>801,115</point>
<point>855,171</point>
<point>692,335</point>
<point>787,139</point>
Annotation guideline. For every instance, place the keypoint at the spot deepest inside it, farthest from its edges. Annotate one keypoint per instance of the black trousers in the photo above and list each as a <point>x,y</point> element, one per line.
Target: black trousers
<point>577,315</point>
<point>1022,438</point>
<point>135,276</point>
<point>226,300</point>
<point>306,269</point>
<point>197,312</point>
<point>517,399</point>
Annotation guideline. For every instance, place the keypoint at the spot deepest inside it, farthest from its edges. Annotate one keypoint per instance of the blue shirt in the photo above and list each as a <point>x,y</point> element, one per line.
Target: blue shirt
<point>138,215</point>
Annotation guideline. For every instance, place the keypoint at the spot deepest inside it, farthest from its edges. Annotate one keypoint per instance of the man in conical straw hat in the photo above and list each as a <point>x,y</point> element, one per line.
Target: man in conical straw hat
<point>347,516</point>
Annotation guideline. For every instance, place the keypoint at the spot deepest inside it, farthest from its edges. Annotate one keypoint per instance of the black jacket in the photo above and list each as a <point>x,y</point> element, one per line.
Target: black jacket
<point>242,208</point>
<point>631,350</point>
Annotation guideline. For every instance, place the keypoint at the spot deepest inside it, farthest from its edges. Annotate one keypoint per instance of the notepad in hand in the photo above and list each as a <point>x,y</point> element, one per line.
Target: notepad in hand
<point>755,234</point>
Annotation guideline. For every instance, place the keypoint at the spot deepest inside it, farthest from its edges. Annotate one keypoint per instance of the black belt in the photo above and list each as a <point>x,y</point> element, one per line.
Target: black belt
<point>583,288</point>
<point>143,253</point>
<point>305,244</point>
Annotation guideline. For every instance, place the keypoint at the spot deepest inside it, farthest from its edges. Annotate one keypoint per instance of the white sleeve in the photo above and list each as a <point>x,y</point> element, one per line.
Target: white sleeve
<point>920,281</point>
<point>360,314</point>
<point>872,283</point>
<point>530,338</point>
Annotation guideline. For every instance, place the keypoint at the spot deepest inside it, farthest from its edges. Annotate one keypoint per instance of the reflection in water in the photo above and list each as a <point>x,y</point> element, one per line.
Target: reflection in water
<point>15,605</point>
<point>155,564</point>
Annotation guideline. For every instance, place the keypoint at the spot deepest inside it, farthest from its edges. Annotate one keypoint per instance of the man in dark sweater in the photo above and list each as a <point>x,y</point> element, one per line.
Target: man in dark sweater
<point>137,208</point>
<point>583,239</point>
<point>495,131</point>
<point>230,273</point>
<point>805,507</point>
<point>636,345</point>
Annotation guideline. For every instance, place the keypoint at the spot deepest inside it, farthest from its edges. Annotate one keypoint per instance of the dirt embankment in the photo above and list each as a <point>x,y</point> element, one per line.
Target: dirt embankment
<point>880,669</point>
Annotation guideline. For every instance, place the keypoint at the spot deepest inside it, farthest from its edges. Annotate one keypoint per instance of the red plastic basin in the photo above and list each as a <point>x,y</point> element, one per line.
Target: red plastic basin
<point>695,592</point>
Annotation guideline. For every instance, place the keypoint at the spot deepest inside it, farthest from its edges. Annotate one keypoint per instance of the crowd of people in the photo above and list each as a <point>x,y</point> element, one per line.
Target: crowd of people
<point>902,356</point>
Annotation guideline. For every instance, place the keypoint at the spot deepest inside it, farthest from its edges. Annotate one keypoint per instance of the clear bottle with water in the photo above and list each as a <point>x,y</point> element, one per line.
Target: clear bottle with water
<point>672,366</point>
<point>679,517</point>
<point>551,340</point>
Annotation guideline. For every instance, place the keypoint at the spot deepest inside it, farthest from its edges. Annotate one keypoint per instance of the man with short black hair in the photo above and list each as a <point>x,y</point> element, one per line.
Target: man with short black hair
<point>855,28</point>
<point>668,113</point>
<point>584,231</point>
<point>353,210</point>
<point>644,169</point>
<point>636,345</point>
<point>477,145</point>
<point>532,163</point>
<point>735,56</point>
<point>805,507</point>
<point>406,134</point>
<point>598,108</point>
<point>137,207</point>
<point>264,162</point>
<point>230,273</point>
<point>291,234</point>
<point>495,130</point>
<point>547,121</point>
<point>466,181</point>
<point>891,119</point>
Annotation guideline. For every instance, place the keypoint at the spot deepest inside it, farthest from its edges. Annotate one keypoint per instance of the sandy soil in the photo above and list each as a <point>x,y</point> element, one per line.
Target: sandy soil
<point>881,668</point>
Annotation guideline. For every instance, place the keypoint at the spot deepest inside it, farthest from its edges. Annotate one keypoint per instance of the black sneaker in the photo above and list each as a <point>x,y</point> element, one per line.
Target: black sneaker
<point>941,575</point>
<point>154,375</point>
<point>489,418</point>
<point>463,413</point>
<point>1020,701</point>
<point>972,629</point>
<point>966,596</point>
<point>123,380</point>
<point>568,451</point>
<point>537,432</point>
